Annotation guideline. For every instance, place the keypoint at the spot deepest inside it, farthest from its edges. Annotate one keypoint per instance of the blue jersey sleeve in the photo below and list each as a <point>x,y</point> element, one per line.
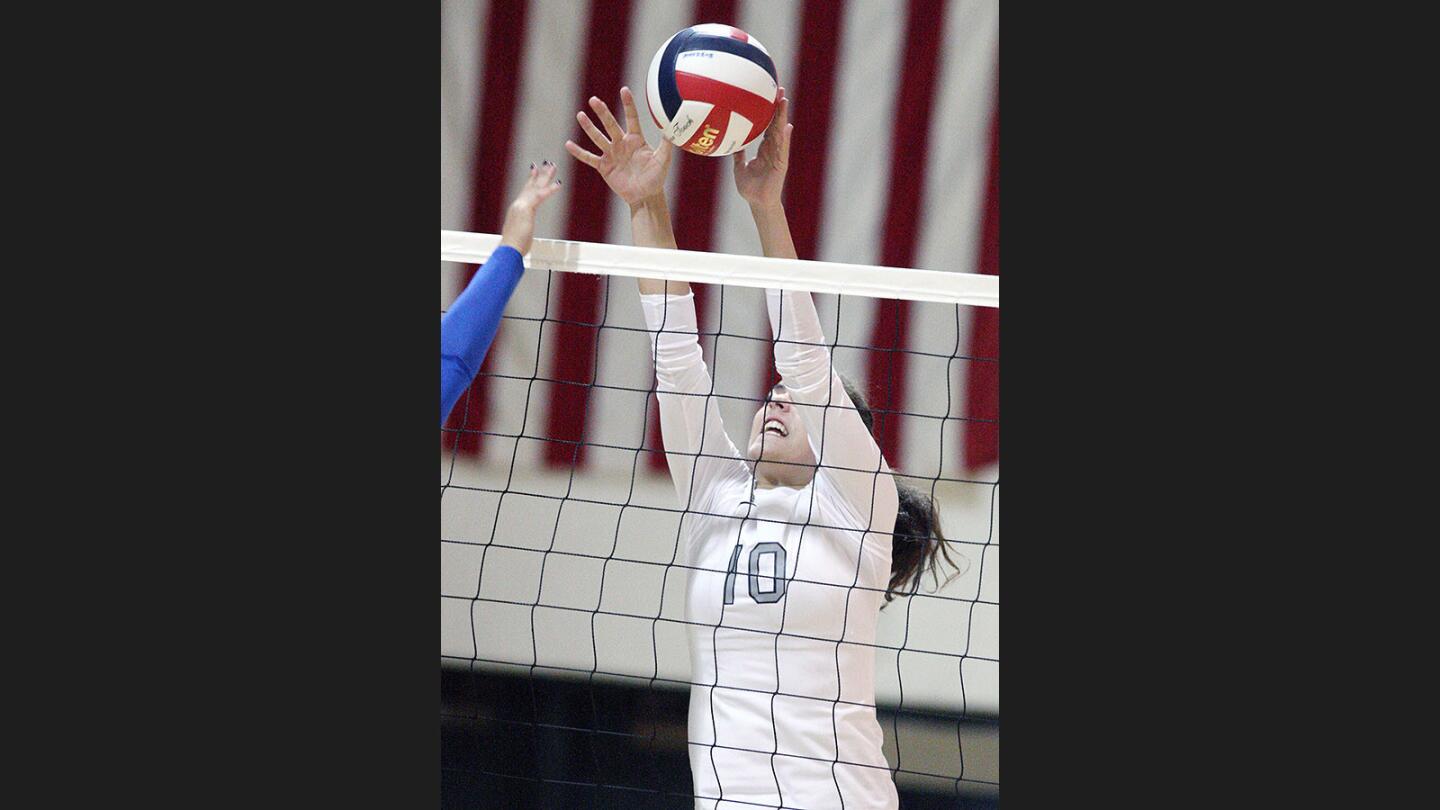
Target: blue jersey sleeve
<point>469,325</point>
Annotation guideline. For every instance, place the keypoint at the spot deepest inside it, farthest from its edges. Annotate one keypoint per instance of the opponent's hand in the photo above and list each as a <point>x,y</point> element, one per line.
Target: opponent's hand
<point>761,179</point>
<point>519,228</point>
<point>629,166</point>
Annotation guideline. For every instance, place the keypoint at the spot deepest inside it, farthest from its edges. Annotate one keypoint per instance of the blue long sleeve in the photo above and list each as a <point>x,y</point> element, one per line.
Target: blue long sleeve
<point>469,325</point>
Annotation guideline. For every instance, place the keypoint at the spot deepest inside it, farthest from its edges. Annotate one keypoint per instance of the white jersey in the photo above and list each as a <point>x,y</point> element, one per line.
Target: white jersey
<point>785,585</point>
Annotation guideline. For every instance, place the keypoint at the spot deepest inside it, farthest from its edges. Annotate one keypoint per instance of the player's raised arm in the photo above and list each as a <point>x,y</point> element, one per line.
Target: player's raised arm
<point>842,444</point>
<point>469,325</point>
<point>761,181</point>
<point>697,448</point>
<point>636,172</point>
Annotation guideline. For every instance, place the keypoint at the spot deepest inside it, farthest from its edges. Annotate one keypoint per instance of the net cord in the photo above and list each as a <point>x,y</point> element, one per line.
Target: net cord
<point>594,258</point>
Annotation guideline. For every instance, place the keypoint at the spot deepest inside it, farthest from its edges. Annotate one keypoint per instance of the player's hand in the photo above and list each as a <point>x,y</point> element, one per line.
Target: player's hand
<point>519,228</point>
<point>761,179</point>
<point>629,166</point>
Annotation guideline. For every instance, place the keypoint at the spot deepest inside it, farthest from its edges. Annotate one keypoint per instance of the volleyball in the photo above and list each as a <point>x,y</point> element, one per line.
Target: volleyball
<point>712,89</point>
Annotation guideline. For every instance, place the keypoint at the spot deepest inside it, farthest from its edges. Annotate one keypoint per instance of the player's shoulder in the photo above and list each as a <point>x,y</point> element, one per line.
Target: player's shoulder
<point>879,506</point>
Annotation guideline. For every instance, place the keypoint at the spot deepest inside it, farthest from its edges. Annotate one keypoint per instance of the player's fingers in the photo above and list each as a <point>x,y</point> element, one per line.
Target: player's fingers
<point>739,160</point>
<point>596,136</point>
<point>593,161</point>
<point>612,127</point>
<point>785,142</point>
<point>769,145</point>
<point>632,117</point>
<point>666,151</point>
<point>547,173</point>
<point>782,113</point>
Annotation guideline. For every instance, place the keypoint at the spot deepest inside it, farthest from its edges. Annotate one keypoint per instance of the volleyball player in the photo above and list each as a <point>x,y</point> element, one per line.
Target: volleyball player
<point>794,545</point>
<point>468,327</point>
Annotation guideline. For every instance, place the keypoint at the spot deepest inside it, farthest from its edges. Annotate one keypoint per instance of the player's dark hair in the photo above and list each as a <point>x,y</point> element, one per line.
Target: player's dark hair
<point>918,544</point>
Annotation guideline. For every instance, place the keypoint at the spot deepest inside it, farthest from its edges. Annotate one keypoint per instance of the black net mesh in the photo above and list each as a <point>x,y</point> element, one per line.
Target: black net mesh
<point>566,666</point>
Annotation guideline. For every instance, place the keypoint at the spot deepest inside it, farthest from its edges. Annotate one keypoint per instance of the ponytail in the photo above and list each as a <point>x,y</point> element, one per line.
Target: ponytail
<point>917,544</point>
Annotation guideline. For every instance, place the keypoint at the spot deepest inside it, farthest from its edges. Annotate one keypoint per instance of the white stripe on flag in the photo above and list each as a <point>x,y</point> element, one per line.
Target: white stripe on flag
<point>954,195</point>
<point>620,417</point>
<point>858,175</point>
<point>858,179</point>
<point>462,52</point>
<point>544,117</point>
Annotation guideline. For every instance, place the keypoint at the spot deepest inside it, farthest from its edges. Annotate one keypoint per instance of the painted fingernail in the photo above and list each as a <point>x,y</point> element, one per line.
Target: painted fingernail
<point>532,167</point>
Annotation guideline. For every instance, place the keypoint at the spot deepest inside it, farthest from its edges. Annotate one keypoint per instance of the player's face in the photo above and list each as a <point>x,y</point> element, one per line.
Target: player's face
<point>777,434</point>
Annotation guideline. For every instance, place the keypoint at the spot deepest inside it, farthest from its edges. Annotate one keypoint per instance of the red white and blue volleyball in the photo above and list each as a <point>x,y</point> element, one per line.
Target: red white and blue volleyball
<point>712,89</point>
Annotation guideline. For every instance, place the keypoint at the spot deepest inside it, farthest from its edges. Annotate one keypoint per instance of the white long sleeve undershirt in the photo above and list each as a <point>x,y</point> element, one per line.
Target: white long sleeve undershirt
<point>847,454</point>
<point>699,451</point>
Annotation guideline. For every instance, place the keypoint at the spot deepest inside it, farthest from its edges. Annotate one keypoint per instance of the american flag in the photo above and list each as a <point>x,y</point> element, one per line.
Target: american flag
<point>895,162</point>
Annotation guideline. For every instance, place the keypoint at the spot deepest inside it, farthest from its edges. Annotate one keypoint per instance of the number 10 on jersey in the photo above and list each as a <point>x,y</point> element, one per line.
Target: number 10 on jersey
<point>758,563</point>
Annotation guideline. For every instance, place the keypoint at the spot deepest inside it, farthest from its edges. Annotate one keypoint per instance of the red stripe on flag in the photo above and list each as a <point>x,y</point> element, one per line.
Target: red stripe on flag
<point>575,337</point>
<point>694,222</point>
<point>909,150</point>
<point>811,97</point>
<point>494,131</point>
<point>982,382</point>
<point>727,98</point>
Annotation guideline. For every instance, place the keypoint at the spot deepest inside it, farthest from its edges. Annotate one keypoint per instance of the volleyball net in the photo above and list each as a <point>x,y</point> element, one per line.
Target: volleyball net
<point>563,570</point>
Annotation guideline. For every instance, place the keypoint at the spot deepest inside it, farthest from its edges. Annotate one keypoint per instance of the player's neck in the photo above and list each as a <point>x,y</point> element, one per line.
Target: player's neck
<point>770,475</point>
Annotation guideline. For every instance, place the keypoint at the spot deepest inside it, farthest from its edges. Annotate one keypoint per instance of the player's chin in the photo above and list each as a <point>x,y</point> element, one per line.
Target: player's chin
<point>772,448</point>
<point>754,451</point>
<point>764,448</point>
